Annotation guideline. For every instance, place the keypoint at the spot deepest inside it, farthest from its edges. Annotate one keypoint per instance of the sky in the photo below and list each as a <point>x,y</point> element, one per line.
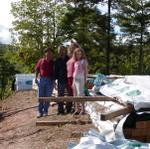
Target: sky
<point>6,19</point>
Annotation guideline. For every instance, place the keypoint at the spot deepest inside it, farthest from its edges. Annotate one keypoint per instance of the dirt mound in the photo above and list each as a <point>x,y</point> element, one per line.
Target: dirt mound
<point>18,129</point>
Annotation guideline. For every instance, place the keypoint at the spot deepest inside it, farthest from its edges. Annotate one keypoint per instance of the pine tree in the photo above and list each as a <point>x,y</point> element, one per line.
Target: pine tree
<point>134,18</point>
<point>85,23</point>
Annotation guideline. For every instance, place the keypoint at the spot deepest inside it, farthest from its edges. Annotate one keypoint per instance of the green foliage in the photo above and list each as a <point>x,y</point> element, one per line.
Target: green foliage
<point>133,18</point>
<point>92,2</point>
<point>85,23</point>
<point>7,71</point>
<point>35,28</point>
<point>48,23</point>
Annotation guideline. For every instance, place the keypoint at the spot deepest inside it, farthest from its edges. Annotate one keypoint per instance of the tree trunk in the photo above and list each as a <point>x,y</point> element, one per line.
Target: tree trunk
<point>108,39</point>
<point>141,44</point>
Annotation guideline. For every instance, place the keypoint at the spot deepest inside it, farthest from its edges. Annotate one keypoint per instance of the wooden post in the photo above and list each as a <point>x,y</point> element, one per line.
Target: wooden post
<point>112,114</point>
<point>54,123</point>
<point>74,99</point>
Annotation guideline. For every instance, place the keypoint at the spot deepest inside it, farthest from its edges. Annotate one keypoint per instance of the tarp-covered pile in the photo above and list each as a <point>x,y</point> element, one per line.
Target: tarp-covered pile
<point>130,89</point>
<point>94,140</point>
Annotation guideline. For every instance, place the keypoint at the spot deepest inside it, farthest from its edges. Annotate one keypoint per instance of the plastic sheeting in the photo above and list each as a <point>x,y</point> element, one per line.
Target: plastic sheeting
<point>98,82</point>
<point>94,140</point>
<point>24,81</point>
<point>119,128</point>
<point>105,127</point>
<point>130,89</point>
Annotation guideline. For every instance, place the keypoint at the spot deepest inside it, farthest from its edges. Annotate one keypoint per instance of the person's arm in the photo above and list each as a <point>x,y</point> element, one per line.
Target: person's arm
<point>56,70</point>
<point>86,70</point>
<point>54,74</point>
<point>36,77</point>
<point>37,68</point>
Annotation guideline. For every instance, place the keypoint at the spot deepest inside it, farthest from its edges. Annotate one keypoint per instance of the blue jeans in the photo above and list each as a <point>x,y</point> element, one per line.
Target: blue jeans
<point>45,90</point>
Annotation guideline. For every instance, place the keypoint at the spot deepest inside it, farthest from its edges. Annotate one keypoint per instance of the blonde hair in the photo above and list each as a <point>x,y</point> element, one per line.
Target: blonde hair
<point>71,48</point>
<point>75,54</point>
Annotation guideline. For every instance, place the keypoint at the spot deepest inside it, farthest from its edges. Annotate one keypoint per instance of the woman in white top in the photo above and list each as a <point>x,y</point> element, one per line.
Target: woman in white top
<point>79,77</point>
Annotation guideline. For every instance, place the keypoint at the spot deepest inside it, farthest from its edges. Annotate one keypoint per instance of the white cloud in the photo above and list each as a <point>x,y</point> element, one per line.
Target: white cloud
<point>5,20</point>
<point>5,17</point>
<point>5,36</point>
<point>103,8</point>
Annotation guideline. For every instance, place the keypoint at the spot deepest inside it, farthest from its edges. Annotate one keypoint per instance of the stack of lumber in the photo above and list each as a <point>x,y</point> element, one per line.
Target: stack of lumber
<point>141,132</point>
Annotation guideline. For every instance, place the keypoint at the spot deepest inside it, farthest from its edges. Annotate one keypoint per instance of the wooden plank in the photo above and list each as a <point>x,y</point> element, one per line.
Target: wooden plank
<point>91,76</point>
<point>140,132</point>
<point>54,123</point>
<point>73,98</point>
<point>143,124</point>
<point>112,114</point>
<point>148,139</point>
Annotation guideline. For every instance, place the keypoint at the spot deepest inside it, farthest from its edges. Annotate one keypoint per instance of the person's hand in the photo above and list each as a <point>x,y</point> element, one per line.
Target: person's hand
<point>54,84</point>
<point>36,81</point>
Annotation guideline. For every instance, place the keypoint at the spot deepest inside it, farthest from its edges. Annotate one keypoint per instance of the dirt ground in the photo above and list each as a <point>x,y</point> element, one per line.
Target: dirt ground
<point>18,128</point>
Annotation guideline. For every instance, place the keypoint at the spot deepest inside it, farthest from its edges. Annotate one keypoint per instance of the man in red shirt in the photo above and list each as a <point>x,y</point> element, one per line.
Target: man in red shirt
<point>44,70</point>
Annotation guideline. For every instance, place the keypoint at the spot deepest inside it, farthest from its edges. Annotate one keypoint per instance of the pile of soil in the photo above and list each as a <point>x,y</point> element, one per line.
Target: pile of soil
<point>18,128</point>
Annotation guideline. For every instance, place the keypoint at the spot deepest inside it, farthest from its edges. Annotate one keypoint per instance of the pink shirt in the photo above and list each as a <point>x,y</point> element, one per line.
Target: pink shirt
<point>70,67</point>
<point>80,67</point>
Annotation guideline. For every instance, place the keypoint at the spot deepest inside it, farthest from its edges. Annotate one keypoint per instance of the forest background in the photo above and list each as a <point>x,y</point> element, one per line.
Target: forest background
<point>49,23</point>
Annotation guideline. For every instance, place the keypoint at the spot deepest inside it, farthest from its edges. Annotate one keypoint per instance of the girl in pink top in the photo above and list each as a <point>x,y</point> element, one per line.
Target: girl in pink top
<point>79,77</point>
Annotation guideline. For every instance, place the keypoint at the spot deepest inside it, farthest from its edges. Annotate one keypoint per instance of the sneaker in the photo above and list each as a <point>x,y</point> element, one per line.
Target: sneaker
<point>45,114</point>
<point>69,112</point>
<point>39,115</point>
<point>82,113</point>
<point>60,113</point>
<point>76,113</point>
